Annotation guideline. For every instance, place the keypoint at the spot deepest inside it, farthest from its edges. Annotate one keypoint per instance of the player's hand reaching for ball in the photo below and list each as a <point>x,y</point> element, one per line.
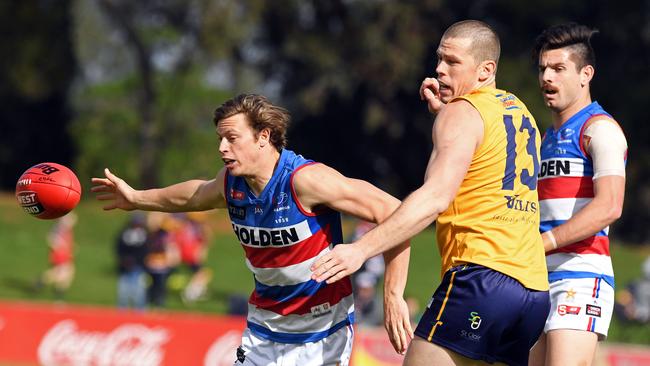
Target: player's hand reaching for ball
<point>430,92</point>
<point>114,189</point>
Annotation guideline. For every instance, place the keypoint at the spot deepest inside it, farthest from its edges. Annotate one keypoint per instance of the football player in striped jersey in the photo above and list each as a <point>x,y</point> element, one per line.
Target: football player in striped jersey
<point>285,211</point>
<point>581,189</point>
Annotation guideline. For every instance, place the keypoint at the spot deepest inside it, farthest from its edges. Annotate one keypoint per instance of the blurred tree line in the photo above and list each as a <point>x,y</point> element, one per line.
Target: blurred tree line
<point>131,85</point>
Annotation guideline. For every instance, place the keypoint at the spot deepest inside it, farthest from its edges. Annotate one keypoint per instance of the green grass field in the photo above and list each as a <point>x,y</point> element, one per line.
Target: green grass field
<point>24,257</point>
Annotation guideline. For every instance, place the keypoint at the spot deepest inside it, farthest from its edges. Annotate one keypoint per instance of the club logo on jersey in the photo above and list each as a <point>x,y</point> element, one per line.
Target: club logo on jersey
<point>281,202</point>
<point>236,195</point>
<point>237,212</point>
<point>281,199</point>
<point>475,320</point>
<point>566,133</point>
<point>593,310</point>
<point>258,210</point>
<point>568,309</point>
<point>265,237</point>
<point>514,203</point>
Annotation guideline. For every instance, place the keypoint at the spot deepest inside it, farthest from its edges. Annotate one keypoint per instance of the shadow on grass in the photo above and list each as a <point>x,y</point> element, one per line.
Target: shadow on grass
<point>28,288</point>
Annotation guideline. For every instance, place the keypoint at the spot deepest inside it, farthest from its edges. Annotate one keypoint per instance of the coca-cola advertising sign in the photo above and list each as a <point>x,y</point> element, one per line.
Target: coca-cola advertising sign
<point>54,335</point>
<point>128,344</point>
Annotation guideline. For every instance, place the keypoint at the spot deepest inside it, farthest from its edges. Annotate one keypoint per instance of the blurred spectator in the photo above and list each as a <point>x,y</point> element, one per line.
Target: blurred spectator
<point>60,240</point>
<point>238,305</point>
<point>368,305</point>
<point>191,237</point>
<point>131,252</point>
<point>633,303</point>
<point>162,255</point>
<point>375,265</point>
<point>361,228</point>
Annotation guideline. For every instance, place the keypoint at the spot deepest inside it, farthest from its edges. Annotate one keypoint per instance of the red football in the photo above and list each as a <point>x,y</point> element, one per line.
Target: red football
<point>48,190</point>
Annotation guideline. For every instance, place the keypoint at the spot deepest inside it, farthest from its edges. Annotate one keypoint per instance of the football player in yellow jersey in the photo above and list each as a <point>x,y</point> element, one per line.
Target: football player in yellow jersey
<point>480,185</point>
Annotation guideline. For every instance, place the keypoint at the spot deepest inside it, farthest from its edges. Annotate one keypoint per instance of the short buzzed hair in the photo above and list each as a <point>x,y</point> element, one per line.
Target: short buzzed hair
<point>485,41</point>
<point>575,36</point>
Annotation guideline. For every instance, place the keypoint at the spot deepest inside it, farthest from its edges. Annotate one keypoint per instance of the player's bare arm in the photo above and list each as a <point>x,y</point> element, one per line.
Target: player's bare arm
<point>319,185</point>
<point>603,210</point>
<point>607,147</point>
<point>191,195</point>
<point>457,132</point>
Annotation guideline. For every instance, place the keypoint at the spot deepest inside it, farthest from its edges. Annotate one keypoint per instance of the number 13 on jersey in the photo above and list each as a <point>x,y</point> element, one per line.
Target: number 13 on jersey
<point>528,133</point>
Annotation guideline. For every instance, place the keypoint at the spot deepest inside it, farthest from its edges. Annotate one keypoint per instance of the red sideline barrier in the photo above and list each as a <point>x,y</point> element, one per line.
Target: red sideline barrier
<point>74,335</point>
<point>61,335</point>
<point>50,335</point>
<point>627,355</point>
<point>372,348</point>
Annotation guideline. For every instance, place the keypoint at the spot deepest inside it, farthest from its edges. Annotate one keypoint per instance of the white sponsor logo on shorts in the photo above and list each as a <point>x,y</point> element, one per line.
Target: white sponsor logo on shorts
<point>470,336</point>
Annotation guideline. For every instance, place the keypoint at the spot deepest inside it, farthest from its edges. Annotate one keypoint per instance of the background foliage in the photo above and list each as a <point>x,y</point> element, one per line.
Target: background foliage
<point>132,85</point>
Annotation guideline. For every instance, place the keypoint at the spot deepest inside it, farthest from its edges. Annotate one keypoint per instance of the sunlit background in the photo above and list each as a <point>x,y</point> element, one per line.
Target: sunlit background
<point>132,85</point>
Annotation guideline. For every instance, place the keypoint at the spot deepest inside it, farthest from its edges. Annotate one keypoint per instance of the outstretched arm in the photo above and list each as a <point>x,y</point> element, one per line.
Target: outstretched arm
<point>319,185</point>
<point>192,195</point>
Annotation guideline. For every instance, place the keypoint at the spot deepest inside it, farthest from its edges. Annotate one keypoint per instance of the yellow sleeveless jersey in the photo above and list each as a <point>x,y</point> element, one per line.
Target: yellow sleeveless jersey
<point>494,219</point>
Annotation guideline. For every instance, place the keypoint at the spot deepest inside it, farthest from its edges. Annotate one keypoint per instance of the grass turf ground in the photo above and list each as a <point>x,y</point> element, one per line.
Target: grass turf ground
<point>23,257</point>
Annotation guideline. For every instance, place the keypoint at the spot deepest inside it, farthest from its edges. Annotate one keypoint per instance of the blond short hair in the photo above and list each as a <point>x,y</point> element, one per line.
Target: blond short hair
<point>485,41</point>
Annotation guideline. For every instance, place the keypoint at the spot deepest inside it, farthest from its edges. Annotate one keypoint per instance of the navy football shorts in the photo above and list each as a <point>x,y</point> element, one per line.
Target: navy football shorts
<point>484,315</point>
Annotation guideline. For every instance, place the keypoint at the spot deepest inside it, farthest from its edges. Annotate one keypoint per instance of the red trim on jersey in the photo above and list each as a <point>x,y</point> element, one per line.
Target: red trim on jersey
<point>565,187</point>
<point>333,294</point>
<point>293,191</point>
<point>277,257</point>
<point>592,245</point>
